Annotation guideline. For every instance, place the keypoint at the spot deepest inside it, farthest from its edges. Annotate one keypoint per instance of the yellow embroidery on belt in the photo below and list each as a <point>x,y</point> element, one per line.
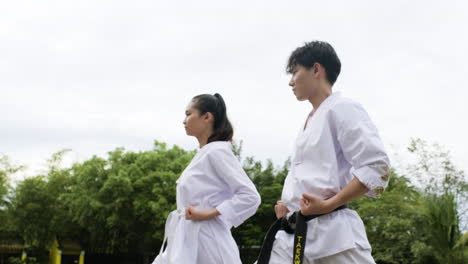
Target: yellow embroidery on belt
<point>297,259</point>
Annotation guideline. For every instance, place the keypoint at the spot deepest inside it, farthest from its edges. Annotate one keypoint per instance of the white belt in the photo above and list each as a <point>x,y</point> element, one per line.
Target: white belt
<point>169,230</point>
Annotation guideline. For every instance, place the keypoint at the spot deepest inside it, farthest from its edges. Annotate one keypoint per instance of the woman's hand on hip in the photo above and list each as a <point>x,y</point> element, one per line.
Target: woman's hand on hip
<point>192,213</point>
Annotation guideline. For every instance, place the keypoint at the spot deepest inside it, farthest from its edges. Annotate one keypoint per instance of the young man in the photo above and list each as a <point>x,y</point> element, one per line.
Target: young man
<point>338,157</point>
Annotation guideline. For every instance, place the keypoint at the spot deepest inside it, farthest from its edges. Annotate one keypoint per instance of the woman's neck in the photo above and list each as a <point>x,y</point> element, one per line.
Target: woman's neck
<point>203,139</point>
<point>202,142</point>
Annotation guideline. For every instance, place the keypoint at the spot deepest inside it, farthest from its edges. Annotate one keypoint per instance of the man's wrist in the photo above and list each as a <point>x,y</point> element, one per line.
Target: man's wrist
<point>333,203</point>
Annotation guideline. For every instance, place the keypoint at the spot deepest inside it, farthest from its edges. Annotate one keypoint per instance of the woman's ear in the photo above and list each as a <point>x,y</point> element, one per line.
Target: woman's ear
<point>208,116</point>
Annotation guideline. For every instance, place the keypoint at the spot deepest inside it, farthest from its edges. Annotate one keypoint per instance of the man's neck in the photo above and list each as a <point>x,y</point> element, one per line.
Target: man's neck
<point>323,93</point>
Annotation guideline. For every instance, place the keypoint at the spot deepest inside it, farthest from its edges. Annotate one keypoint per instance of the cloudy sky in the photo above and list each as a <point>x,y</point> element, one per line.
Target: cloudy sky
<point>95,75</point>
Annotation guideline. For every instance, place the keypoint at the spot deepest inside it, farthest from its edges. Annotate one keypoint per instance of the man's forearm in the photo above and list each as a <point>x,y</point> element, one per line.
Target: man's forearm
<point>351,191</point>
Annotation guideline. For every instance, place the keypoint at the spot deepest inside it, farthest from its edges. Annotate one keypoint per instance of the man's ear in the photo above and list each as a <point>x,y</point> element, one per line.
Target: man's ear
<point>317,67</point>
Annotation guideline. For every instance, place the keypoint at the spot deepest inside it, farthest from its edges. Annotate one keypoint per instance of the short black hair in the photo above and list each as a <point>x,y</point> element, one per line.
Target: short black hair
<point>316,51</point>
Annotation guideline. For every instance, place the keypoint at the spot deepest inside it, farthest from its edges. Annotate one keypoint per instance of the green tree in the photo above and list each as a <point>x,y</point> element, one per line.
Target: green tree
<point>445,200</point>
<point>31,210</point>
<point>7,168</point>
<point>462,245</point>
<point>269,182</point>
<point>435,173</point>
<point>3,202</point>
<point>121,203</point>
<point>441,227</point>
<point>7,227</point>
<point>38,213</point>
<point>4,227</point>
<point>392,221</point>
<point>3,188</point>
<point>418,223</point>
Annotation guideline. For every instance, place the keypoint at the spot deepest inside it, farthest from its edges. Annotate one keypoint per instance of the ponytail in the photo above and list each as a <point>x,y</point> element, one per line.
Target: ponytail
<point>222,128</point>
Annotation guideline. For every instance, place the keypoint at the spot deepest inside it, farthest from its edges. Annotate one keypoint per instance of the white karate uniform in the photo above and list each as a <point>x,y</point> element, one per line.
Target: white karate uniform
<point>340,142</point>
<point>213,179</point>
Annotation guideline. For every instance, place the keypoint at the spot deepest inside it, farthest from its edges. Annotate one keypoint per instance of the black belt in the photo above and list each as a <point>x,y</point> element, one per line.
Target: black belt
<point>296,224</point>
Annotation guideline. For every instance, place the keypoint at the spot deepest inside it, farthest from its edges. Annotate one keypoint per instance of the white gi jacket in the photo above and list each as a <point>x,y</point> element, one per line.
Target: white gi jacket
<point>340,142</point>
<point>213,179</point>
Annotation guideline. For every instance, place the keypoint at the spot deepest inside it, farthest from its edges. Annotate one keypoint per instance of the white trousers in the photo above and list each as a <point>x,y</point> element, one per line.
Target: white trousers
<point>200,248</point>
<point>351,256</point>
<point>206,254</point>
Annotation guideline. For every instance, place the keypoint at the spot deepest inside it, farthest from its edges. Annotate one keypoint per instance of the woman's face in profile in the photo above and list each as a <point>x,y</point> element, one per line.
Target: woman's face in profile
<point>194,123</point>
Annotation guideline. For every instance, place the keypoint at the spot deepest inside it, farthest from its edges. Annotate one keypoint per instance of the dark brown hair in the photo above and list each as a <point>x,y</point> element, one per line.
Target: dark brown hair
<point>214,104</point>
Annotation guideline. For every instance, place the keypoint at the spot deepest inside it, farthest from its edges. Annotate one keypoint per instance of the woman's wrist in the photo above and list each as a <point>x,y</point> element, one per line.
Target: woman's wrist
<point>213,213</point>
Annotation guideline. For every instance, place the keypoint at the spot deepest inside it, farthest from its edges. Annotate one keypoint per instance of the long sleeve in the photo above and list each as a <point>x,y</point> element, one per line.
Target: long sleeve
<point>244,199</point>
<point>362,146</point>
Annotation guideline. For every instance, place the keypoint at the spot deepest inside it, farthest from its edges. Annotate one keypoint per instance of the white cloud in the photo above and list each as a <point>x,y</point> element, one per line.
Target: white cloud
<point>95,75</point>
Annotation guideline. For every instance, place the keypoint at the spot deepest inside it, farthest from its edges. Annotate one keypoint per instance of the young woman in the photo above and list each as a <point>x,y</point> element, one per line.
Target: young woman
<point>213,193</point>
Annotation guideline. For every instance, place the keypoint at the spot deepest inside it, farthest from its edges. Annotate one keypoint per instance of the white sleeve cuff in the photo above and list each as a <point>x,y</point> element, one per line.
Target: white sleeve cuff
<point>374,177</point>
<point>227,215</point>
